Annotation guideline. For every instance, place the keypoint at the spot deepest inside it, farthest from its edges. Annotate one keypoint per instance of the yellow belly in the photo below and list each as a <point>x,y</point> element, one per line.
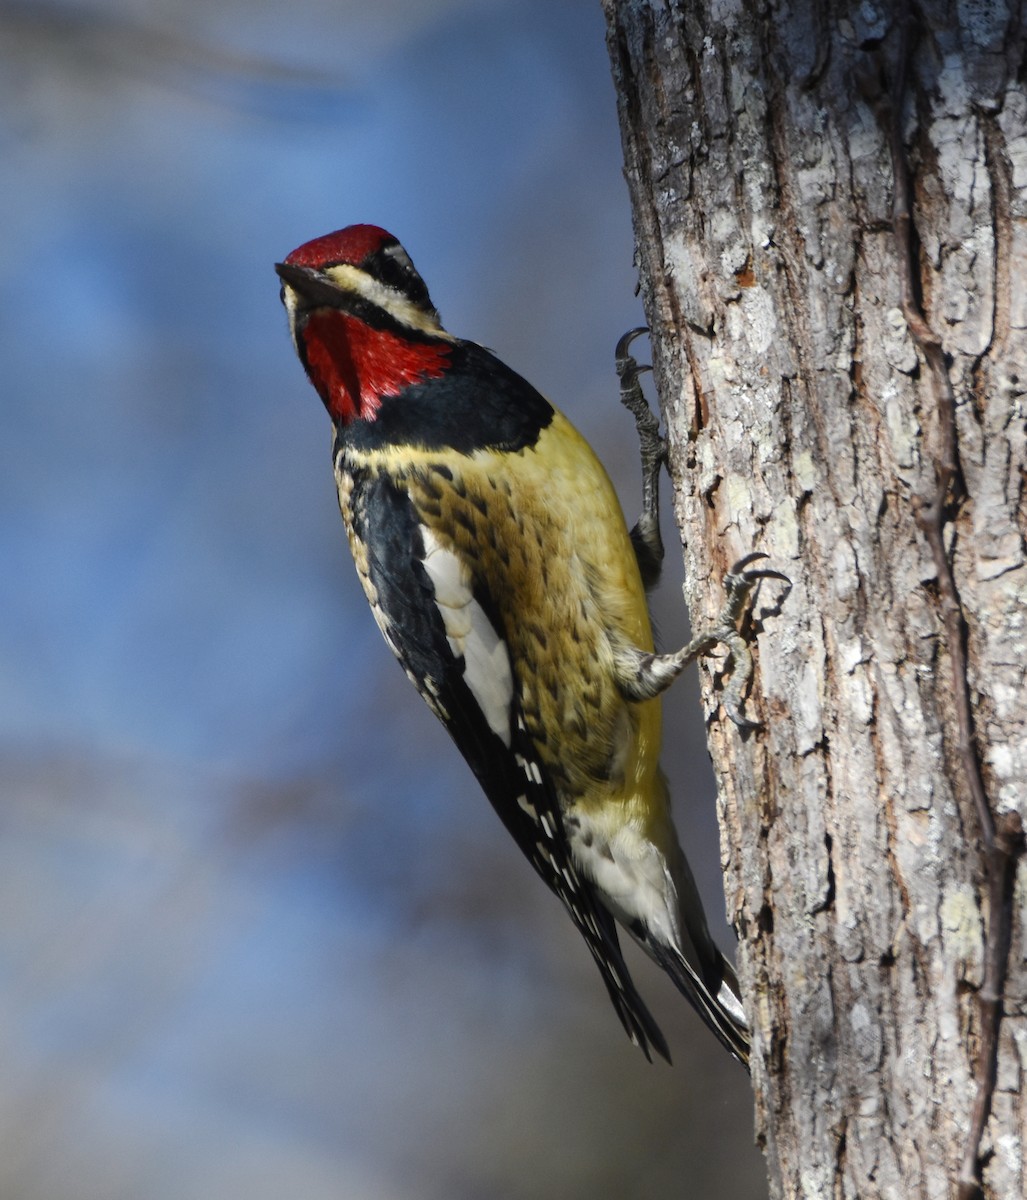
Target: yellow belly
<point>551,559</point>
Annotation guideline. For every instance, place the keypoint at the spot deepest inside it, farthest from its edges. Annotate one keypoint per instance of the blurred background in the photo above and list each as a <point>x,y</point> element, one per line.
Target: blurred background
<point>260,933</point>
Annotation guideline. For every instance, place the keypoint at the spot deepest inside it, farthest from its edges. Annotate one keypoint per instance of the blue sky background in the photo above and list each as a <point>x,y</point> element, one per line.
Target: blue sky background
<point>260,934</point>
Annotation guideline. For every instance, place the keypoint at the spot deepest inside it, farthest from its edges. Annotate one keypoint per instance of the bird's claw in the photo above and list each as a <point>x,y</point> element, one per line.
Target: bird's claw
<point>739,584</point>
<point>654,448</point>
<point>622,352</point>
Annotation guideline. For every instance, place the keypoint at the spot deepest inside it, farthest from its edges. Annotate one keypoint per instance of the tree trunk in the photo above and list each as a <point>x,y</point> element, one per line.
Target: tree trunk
<point>844,389</point>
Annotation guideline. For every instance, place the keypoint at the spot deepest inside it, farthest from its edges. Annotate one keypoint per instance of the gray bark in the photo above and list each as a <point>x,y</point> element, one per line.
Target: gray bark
<point>802,421</point>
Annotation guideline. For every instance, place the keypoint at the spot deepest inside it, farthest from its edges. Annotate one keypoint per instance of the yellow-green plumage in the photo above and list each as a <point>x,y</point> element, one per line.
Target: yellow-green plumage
<point>543,533</point>
<point>496,560</point>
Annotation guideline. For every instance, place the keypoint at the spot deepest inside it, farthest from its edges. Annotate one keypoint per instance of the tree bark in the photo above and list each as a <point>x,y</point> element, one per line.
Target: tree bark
<point>843,379</point>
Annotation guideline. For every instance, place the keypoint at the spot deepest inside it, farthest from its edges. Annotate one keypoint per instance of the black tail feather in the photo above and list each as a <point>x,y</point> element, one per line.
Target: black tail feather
<point>638,1021</point>
<point>730,1028</point>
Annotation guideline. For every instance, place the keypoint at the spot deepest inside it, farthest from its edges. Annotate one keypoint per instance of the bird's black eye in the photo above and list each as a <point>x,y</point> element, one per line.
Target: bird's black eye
<point>398,255</point>
<point>392,265</point>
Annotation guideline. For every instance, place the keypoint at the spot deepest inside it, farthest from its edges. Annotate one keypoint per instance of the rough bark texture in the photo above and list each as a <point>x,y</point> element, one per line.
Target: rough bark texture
<point>803,421</point>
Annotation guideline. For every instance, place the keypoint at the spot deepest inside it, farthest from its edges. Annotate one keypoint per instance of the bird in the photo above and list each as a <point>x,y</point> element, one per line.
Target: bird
<point>498,565</point>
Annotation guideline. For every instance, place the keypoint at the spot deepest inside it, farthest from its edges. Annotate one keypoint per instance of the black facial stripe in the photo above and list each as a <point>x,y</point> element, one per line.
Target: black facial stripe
<point>372,315</point>
<point>398,273</point>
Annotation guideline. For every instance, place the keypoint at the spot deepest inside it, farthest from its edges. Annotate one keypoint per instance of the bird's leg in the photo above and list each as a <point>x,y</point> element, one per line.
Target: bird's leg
<point>645,536</point>
<point>643,676</point>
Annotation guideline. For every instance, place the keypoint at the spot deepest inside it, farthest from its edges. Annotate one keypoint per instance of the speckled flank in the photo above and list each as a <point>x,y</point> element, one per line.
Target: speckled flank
<point>542,538</point>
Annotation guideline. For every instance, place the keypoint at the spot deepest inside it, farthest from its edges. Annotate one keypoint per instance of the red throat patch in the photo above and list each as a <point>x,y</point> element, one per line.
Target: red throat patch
<point>354,367</point>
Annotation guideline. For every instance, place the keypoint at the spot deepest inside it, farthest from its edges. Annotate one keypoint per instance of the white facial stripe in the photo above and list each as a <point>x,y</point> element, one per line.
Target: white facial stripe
<point>352,279</point>
<point>471,635</point>
<point>290,301</point>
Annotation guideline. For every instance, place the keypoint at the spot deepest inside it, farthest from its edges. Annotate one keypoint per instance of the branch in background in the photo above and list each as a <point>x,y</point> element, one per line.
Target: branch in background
<point>1003,841</point>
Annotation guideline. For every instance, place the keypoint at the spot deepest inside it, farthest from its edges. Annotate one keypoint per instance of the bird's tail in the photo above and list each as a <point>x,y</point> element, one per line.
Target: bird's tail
<point>689,955</point>
<point>636,1018</point>
<point>714,994</point>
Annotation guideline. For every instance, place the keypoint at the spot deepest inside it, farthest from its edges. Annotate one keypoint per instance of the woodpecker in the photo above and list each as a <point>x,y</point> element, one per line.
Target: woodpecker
<point>498,565</point>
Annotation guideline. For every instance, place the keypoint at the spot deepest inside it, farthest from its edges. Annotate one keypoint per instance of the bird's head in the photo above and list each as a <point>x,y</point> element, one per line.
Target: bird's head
<point>361,318</point>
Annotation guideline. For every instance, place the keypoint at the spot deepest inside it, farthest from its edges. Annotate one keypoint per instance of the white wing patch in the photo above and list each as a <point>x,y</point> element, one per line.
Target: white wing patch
<point>471,634</point>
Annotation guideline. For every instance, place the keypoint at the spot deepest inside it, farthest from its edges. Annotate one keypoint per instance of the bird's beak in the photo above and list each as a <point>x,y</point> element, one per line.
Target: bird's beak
<point>311,286</point>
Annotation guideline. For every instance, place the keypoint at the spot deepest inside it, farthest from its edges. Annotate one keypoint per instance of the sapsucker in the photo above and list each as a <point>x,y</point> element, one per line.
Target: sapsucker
<point>498,565</point>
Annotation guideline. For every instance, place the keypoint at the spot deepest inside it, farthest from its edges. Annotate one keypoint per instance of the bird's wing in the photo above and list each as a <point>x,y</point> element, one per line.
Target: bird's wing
<point>442,629</point>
